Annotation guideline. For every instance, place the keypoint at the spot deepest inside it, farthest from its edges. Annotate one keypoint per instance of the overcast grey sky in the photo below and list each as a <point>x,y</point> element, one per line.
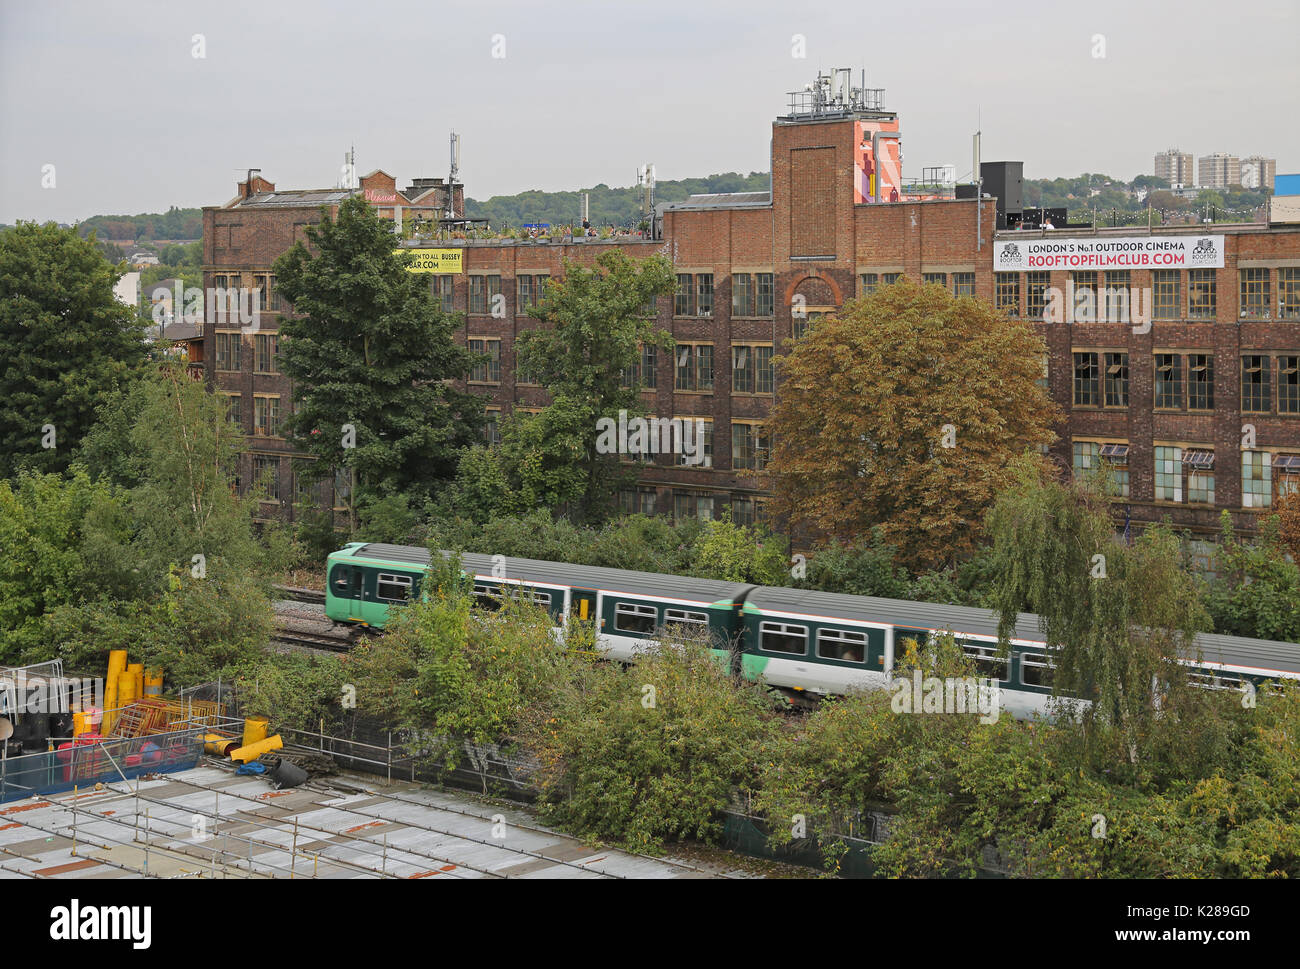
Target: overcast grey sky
<point>110,94</point>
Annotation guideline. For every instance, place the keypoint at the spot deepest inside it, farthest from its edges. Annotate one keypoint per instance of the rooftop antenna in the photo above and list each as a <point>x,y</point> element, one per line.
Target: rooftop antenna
<point>454,174</point>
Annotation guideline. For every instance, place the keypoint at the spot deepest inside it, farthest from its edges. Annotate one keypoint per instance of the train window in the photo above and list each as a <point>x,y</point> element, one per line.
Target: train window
<point>342,580</point>
<point>543,599</point>
<point>487,596</point>
<point>987,661</point>
<point>631,618</point>
<point>393,588</point>
<point>685,616</point>
<point>779,637</point>
<point>1212,681</point>
<point>1035,670</point>
<point>845,645</point>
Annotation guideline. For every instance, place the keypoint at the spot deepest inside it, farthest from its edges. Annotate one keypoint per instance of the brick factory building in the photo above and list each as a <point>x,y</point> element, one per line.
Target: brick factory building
<point>1197,412</point>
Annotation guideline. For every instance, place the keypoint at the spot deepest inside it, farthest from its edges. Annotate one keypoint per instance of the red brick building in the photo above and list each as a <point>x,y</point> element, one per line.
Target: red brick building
<point>1195,412</point>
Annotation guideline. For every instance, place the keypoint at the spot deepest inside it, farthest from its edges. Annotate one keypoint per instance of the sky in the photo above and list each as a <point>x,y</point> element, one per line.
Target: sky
<point>567,94</point>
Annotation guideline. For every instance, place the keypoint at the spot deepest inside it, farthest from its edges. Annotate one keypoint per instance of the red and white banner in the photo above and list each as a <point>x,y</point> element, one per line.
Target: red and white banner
<point>1111,252</point>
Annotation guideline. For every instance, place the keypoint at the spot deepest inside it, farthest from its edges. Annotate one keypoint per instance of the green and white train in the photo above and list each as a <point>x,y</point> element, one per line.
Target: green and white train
<point>799,641</point>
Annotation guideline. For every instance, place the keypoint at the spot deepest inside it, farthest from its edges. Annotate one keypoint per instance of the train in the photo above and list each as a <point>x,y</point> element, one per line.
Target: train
<point>805,643</point>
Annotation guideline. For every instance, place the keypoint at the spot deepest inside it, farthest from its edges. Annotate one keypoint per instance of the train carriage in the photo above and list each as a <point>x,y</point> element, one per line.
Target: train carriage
<point>799,641</point>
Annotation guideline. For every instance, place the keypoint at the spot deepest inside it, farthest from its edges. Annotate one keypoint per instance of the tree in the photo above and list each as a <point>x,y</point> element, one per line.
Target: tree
<point>903,412</point>
<point>1257,591</point>
<point>373,357</point>
<point>66,342</point>
<point>1116,618</point>
<point>598,320</point>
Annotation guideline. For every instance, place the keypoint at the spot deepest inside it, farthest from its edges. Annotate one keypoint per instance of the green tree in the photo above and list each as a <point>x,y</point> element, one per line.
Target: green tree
<point>369,349</point>
<point>1117,618</point>
<point>1257,591</point>
<point>66,341</point>
<point>902,412</point>
<point>598,319</point>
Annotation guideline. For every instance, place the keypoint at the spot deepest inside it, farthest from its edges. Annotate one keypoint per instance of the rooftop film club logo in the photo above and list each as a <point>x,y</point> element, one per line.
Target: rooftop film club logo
<point>1010,254</point>
<point>1206,252</point>
<point>642,436</point>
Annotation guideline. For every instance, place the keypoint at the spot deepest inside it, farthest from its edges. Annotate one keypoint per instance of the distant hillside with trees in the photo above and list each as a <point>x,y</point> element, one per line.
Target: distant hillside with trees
<point>608,206</point>
<point>175,223</point>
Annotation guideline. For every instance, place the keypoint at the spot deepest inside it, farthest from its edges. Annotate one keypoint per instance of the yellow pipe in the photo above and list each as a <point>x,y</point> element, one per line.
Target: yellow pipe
<point>254,751</point>
<point>116,666</point>
<point>153,681</point>
<point>215,743</point>
<point>126,690</point>
<point>255,729</point>
<point>80,723</point>
<point>137,672</point>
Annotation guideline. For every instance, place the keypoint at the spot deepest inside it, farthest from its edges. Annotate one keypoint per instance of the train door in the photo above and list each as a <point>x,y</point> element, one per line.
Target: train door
<point>346,585</point>
<point>582,605</point>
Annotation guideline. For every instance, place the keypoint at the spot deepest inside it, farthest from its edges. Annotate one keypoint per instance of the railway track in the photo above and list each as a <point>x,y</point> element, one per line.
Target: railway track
<point>294,637</point>
<point>296,594</point>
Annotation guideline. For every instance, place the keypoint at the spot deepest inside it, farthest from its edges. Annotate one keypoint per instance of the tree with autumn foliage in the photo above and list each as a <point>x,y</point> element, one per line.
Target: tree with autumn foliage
<point>903,411</point>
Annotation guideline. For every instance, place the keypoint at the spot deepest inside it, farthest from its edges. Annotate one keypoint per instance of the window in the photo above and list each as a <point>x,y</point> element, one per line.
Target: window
<point>1006,290</point>
<point>704,294</point>
<point>1286,473</point>
<point>308,490</point>
<point>1256,394</point>
<point>766,295</point>
<point>1118,289</point>
<point>523,292</point>
<point>940,279</point>
<point>1200,381</point>
<point>486,371</point>
<point>1116,379</point>
<point>266,348</point>
<point>844,645</point>
<point>443,287</point>
<point>638,501</point>
<point>694,367</point>
<point>685,617</point>
<point>235,409</point>
<point>1254,294</point>
<point>1288,385</point>
<point>1164,294</point>
<point>492,427</point>
<point>266,472</point>
<point>228,346</point>
<point>868,283</point>
<point>1084,309</point>
<point>745,511</point>
<point>393,588</point>
<point>1202,300</point>
<point>986,659</point>
<point>644,373</point>
<point>684,299</point>
<point>637,619</point>
<point>342,487</point>
<point>1169,380</point>
<point>963,284</point>
<point>1035,670</point>
<point>1288,293</point>
<point>751,369</point>
<point>688,505</point>
<point>888,279</point>
<point>266,415</point>
<point>1086,455</point>
<point>750,446</point>
<point>743,295</point>
<point>1036,285</point>
<point>1045,380</point>
<point>1199,463</point>
<point>780,637</point>
<point>696,443</point>
<point>1085,380</point>
<point>483,291</point>
<point>799,325</point>
<point>1256,479</point>
<point>262,283</point>
<point>1169,474</point>
<point>487,596</point>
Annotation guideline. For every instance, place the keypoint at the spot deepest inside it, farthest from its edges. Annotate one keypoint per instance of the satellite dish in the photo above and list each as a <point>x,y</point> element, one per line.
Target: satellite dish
<point>6,728</point>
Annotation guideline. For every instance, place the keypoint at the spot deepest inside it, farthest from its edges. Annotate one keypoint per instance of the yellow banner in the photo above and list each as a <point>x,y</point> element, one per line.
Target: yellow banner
<point>434,260</point>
